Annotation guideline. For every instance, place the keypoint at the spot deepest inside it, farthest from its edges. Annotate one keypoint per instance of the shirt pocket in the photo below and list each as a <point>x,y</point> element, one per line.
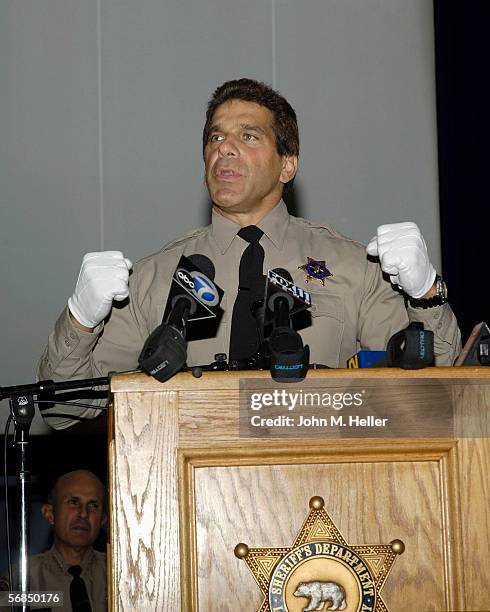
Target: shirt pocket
<point>325,333</point>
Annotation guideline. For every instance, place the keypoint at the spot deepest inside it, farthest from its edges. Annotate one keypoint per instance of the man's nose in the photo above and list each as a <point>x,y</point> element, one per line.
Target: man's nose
<point>228,147</point>
<point>83,510</point>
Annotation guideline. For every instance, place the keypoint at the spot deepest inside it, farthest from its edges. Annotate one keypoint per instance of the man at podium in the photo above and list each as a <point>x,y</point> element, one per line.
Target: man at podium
<point>360,299</point>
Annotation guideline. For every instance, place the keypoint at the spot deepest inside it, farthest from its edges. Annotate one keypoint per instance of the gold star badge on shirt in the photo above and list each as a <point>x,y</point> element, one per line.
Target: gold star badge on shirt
<point>320,571</point>
<point>316,270</point>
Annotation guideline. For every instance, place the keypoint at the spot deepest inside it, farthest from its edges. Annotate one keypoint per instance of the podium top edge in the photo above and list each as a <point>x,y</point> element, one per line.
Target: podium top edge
<point>185,381</point>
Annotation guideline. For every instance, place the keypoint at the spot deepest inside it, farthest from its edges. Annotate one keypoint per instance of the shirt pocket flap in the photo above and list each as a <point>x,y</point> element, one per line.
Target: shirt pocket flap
<point>325,304</point>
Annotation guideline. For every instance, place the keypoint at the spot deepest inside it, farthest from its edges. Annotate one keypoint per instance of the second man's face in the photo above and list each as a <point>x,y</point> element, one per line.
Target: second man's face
<point>244,172</point>
<point>77,513</point>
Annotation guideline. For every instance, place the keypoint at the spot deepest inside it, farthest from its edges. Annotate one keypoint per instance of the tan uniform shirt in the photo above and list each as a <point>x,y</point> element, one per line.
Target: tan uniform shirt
<point>356,308</point>
<point>48,571</point>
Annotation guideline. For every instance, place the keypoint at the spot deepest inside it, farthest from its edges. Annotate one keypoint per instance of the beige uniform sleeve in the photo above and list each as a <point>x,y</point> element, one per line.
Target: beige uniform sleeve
<point>382,310</point>
<point>113,346</point>
<point>447,336</point>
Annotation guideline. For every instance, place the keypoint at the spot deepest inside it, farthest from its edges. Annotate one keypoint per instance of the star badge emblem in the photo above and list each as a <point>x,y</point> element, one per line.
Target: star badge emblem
<point>320,571</point>
<point>315,270</point>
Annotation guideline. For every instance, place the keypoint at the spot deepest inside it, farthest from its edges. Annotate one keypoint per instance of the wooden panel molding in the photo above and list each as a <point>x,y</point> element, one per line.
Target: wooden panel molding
<point>226,498</point>
<point>186,487</point>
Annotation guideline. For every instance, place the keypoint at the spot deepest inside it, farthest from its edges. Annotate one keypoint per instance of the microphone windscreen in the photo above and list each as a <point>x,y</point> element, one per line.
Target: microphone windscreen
<point>284,273</point>
<point>204,264</point>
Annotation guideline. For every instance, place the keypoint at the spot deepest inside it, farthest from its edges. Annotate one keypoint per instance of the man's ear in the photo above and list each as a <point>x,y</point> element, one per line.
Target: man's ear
<point>289,168</point>
<point>47,513</point>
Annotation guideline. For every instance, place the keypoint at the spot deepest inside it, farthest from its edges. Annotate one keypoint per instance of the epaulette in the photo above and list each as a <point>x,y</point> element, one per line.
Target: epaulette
<point>181,240</point>
<point>329,229</point>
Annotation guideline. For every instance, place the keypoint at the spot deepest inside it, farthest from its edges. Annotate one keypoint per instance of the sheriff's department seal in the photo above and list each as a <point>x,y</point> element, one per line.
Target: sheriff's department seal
<point>321,571</point>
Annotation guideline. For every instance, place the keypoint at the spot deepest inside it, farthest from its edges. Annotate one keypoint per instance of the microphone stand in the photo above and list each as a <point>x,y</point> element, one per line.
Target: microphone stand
<point>21,400</point>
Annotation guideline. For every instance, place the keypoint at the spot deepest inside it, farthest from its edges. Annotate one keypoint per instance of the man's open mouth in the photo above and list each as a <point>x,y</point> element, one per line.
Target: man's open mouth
<point>227,174</point>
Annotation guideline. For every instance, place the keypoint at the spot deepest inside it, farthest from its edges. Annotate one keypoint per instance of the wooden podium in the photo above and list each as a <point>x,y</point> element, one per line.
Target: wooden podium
<point>187,486</point>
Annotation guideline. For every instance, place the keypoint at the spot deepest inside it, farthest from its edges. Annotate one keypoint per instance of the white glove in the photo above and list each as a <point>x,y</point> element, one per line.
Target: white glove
<point>403,255</point>
<point>103,277</point>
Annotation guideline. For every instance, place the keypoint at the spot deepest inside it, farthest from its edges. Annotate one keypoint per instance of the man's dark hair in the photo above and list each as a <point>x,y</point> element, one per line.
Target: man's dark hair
<point>285,123</point>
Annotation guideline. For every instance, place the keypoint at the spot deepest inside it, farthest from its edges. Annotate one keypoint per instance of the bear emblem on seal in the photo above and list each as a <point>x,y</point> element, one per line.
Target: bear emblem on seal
<point>321,592</point>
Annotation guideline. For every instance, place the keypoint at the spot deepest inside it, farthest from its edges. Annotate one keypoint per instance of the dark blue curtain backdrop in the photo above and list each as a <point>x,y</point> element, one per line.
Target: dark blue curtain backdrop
<point>462,42</point>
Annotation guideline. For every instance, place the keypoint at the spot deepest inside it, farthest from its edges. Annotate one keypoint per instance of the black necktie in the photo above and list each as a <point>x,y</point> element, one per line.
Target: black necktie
<point>244,338</point>
<point>78,591</point>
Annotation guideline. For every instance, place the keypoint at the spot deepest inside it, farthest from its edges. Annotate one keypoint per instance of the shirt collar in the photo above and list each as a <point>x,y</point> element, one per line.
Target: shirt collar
<point>274,226</point>
<point>84,563</point>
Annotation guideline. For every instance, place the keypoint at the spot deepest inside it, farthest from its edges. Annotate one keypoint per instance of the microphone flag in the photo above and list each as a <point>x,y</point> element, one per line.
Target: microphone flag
<point>189,279</point>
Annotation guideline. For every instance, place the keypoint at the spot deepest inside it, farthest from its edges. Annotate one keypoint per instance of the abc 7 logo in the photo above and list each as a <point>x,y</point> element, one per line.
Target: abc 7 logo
<point>200,285</point>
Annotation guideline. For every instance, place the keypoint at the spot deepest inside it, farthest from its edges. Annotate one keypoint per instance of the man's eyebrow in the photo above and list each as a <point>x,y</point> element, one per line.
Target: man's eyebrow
<point>252,128</point>
<point>216,127</point>
<point>89,499</point>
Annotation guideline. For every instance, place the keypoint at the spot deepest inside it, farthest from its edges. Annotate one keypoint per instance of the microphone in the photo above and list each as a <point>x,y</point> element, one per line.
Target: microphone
<point>189,279</point>
<point>279,302</point>
<point>184,306</point>
<point>289,360</point>
<point>365,358</point>
<point>476,350</point>
<point>411,348</point>
<point>204,264</point>
<point>193,296</point>
<point>280,285</point>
